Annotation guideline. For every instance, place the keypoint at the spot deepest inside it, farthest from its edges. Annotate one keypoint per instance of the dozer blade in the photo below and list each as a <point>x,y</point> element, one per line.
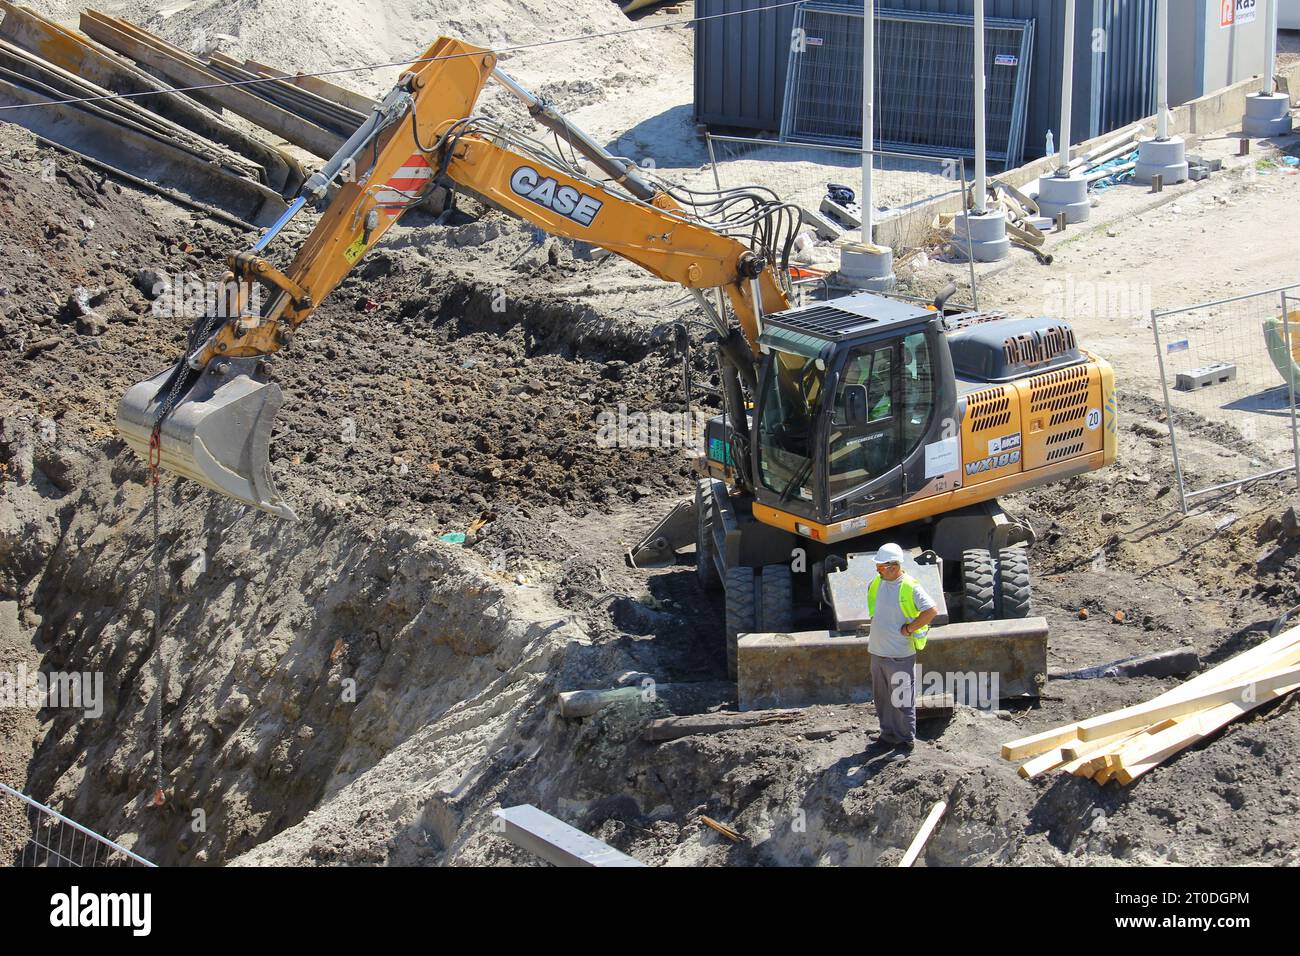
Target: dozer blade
<point>218,433</point>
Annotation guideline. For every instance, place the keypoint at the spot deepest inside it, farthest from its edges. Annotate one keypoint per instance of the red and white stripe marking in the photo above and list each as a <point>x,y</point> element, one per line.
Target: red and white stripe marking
<point>405,185</point>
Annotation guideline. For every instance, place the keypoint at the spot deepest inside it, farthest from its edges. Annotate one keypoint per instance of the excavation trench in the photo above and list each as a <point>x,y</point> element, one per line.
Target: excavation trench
<point>340,693</point>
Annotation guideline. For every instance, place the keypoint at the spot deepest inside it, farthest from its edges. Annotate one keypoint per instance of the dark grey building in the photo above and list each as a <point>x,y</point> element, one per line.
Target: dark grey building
<point>741,64</point>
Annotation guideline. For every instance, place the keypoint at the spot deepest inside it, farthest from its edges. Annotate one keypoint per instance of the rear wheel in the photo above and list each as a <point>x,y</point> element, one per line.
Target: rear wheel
<point>776,600</point>
<point>1014,591</point>
<point>706,571</point>
<point>742,617</point>
<point>978,585</point>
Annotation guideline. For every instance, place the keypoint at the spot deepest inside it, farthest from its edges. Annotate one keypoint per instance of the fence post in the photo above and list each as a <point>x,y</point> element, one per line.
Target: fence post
<point>1291,382</point>
<point>1169,410</point>
<point>970,242</point>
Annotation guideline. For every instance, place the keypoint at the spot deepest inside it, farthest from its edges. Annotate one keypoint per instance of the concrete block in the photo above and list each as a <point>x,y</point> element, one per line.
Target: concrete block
<point>822,667</point>
<point>850,217</point>
<point>1220,373</point>
<point>867,267</point>
<point>1164,157</point>
<point>982,237</point>
<point>1213,163</point>
<point>1064,194</point>
<point>1267,114</point>
<point>825,228</point>
<point>1197,173</point>
<point>555,841</point>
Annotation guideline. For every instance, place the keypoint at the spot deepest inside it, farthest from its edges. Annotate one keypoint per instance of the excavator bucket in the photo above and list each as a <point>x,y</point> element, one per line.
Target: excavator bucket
<point>218,433</point>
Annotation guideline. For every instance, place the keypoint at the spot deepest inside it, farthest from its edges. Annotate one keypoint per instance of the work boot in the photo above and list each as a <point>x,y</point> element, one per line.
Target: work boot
<point>900,752</point>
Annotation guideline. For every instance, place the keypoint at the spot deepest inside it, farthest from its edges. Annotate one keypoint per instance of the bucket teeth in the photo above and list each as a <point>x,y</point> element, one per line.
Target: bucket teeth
<point>218,434</point>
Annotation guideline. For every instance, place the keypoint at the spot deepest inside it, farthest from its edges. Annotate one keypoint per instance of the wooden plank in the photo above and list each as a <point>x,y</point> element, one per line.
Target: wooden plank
<point>923,834</point>
<point>1039,743</point>
<point>1076,750</point>
<point>722,828</point>
<point>1240,664</point>
<point>1080,754</point>
<point>1042,763</point>
<point>1141,715</point>
<point>1146,755</point>
<point>1253,659</point>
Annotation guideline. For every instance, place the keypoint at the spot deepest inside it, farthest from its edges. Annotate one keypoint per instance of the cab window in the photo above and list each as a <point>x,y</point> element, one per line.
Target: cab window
<point>917,390</point>
<point>861,453</point>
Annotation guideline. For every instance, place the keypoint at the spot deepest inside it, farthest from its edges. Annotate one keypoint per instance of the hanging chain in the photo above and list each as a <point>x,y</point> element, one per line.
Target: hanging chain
<point>155,468</point>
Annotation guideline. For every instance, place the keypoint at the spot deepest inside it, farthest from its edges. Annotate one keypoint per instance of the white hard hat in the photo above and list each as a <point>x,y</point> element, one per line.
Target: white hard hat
<point>889,554</point>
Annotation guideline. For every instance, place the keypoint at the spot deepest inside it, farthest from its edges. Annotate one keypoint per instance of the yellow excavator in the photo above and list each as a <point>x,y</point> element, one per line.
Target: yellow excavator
<point>844,422</point>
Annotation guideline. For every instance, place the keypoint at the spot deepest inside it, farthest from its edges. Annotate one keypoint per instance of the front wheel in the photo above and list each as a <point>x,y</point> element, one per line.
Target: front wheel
<point>742,612</point>
<point>1014,590</point>
<point>776,600</point>
<point>706,571</point>
<point>978,585</point>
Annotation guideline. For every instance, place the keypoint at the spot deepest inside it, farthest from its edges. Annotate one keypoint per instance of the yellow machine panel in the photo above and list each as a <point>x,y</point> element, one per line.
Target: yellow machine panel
<point>991,435</point>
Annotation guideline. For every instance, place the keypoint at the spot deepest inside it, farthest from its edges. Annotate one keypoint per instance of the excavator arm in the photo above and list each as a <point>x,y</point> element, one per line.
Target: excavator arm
<point>209,417</point>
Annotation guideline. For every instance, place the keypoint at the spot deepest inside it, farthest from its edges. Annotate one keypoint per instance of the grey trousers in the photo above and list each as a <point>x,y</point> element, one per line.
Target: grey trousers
<point>893,687</point>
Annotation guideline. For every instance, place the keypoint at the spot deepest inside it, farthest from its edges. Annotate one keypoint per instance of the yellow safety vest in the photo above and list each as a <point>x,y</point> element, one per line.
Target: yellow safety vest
<point>906,603</point>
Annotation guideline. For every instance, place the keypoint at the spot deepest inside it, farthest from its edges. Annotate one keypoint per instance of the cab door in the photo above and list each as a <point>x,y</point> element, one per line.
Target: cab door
<point>863,462</point>
<point>890,402</point>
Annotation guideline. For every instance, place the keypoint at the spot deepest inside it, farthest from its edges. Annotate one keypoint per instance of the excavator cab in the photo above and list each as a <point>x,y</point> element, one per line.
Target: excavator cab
<point>851,394</point>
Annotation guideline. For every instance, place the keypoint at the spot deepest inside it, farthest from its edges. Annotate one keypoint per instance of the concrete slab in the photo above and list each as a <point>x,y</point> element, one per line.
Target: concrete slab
<point>823,667</point>
<point>555,841</point>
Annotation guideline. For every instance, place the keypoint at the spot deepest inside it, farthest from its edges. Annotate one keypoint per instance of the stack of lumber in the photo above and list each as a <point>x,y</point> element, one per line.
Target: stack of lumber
<point>1125,744</point>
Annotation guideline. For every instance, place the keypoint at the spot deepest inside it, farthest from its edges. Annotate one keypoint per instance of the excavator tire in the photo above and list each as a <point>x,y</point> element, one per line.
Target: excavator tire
<point>776,600</point>
<point>979,585</point>
<point>1014,590</point>
<point>705,569</point>
<point>742,611</point>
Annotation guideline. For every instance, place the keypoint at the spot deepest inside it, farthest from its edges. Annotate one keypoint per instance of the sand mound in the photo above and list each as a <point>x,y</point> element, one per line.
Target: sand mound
<point>324,34</point>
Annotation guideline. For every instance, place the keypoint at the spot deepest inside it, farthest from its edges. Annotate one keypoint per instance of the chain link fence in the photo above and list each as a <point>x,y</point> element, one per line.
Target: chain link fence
<point>1235,363</point>
<point>54,840</point>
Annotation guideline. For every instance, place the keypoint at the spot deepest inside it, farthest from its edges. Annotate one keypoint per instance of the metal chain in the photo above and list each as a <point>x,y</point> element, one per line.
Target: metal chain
<point>155,475</point>
<point>159,665</point>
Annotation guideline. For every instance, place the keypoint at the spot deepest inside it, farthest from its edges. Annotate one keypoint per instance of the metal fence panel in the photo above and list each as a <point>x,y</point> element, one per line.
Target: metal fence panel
<point>1234,362</point>
<point>925,91</point>
<point>741,62</point>
<point>54,840</point>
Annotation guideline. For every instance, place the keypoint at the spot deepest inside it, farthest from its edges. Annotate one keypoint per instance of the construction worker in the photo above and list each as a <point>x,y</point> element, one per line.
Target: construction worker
<point>901,613</point>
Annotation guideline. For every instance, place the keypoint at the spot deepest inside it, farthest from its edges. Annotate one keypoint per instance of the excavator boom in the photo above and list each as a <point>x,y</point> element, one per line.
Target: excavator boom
<point>209,418</point>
